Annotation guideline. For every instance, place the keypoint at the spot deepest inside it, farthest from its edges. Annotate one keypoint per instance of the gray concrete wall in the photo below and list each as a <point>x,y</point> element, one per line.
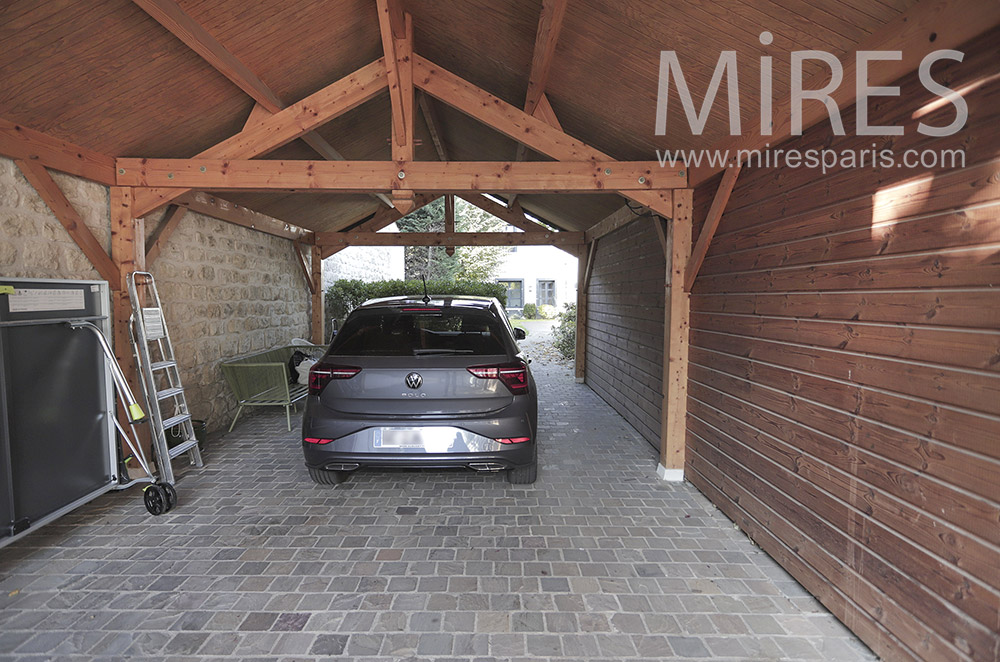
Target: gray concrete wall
<point>227,290</point>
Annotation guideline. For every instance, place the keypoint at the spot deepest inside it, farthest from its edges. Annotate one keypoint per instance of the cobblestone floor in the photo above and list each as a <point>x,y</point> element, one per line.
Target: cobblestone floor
<point>597,560</point>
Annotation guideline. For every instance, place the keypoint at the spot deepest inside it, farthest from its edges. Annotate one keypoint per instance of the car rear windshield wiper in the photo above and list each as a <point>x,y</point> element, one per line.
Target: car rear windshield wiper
<point>421,352</point>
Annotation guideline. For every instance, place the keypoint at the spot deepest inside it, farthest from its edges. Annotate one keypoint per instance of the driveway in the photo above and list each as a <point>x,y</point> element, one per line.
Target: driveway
<point>597,560</point>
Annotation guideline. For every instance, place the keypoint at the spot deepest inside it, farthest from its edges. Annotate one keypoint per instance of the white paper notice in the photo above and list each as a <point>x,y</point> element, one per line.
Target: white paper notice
<point>45,301</point>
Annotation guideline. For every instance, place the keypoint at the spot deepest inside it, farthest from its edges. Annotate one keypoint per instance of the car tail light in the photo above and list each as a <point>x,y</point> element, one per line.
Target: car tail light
<point>514,440</point>
<point>321,374</point>
<point>513,375</point>
<point>314,440</point>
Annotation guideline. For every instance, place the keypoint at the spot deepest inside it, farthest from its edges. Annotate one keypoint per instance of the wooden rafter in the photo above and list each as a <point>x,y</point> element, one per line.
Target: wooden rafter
<point>64,211</point>
<point>613,221</point>
<point>635,178</point>
<point>515,123</point>
<point>171,219</point>
<point>711,224</point>
<point>283,127</point>
<point>172,17</point>
<point>927,26</point>
<point>449,239</point>
<point>506,214</point>
<point>433,125</point>
<point>216,207</point>
<point>396,29</point>
<point>24,144</point>
<point>549,24</point>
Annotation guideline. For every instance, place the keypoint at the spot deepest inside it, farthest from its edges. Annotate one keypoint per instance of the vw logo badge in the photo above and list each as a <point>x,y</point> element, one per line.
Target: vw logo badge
<point>413,380</point>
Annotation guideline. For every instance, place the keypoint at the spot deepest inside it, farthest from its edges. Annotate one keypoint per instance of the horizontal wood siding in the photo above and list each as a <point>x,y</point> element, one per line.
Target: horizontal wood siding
<point>844,382</point>
<point>625,325</point>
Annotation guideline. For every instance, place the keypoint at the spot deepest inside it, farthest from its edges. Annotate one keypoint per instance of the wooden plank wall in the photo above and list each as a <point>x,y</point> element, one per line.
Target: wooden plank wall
<point>844,386</point>
<point>625,325</point>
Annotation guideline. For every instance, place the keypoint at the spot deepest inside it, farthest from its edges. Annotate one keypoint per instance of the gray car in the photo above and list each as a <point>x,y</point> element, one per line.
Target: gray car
<point>423,382</point>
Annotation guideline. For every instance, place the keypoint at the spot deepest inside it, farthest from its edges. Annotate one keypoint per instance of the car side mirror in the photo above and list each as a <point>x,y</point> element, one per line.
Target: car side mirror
<point>519,333</point>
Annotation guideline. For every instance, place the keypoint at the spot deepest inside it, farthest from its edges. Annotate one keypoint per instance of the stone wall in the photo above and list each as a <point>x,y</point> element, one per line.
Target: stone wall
<point>366,263</point>
<point>227,290</point>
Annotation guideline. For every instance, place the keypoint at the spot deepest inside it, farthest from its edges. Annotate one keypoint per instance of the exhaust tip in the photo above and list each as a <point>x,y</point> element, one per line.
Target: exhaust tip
<point>341,467</point>
<point>487,466</point>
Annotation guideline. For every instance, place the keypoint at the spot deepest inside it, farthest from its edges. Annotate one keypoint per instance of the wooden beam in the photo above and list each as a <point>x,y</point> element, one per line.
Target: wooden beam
<point>154,245</point>
<point>172,17</point>
<point>396,29</point>
<point>374,176</point>
<point>506,214</point>
<point>582,298</point>
<point>66,214</point>
<point>306,269</point>
<point>216,207</point>
<point>613,221</point>
<point>128,253</point>
<point>926,26</point>
<point>317,314</point>
<point>283,127</point>
<point>524,128</point>
<point>433,125</point>
<point>589,269</point>
<point>676,328</point>
<point>449,239</point>
<point>711,224</point>
<point>23,144</point>
<point>449,221</point>
<point>546,37</point>
<point>661,234</point>
<point>545,113</point>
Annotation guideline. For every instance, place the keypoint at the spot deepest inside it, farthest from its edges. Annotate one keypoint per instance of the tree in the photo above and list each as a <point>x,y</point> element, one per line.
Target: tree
<point>468,262</point>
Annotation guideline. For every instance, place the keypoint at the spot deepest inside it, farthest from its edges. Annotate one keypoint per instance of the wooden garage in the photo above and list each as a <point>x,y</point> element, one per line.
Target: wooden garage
<point>814,346</point>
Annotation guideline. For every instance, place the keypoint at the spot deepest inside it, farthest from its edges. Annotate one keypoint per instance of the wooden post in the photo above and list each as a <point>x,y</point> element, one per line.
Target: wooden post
<point>318,337</point>
<point>676,325</point>
<point>449,220</point>
<point>128,252</point>
<point>585,267</point>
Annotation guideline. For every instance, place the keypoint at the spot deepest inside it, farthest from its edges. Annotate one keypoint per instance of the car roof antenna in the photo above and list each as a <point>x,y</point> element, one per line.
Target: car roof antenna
<point>427,297</point>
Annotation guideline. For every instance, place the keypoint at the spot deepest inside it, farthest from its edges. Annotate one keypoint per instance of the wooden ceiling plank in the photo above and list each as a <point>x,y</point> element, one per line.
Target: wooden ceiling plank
<point>711,224</point>
<point>634,178</point>
<point>158,239</point>
<point>21,143</point>
<point>172,17</point>
<point>70,219</point>
<point>515,123</point>
<point>216,207</point>
<point>925,27</point>
<point>505,214</point>
<point>433,125</point>
<point>285,126</point>
<point>549,25</point>
<point>449,238</point>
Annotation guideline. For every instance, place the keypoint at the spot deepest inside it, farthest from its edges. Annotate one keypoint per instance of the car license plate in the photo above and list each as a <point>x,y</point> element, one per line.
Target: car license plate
<point>398,438</point>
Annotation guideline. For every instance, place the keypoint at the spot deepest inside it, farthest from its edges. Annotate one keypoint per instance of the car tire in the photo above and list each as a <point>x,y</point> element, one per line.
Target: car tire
<point>526,474</point>
<point>325,477</point>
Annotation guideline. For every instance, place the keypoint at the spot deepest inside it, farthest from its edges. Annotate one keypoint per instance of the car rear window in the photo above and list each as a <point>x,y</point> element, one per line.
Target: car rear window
<point>401,332</point>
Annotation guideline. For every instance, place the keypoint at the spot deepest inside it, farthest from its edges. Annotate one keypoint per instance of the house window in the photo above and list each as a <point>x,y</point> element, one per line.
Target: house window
<point>546,293</point>
<point>515,293</point>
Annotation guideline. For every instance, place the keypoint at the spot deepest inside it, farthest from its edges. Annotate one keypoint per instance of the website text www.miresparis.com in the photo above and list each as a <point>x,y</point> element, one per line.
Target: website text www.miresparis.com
<point>820,159</point>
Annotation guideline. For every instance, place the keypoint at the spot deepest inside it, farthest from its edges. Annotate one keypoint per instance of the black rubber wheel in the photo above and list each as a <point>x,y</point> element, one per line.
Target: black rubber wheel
<point>325,477</point>
<point>171,495</point>
<point>525,475</point>
<point>155,499</point>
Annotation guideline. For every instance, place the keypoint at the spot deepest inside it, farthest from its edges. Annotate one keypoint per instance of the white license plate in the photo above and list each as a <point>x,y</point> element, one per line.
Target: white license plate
<point>398,438</point>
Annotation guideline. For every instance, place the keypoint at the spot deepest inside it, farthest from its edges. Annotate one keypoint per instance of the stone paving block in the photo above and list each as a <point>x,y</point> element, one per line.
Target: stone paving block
<point>598,560</point>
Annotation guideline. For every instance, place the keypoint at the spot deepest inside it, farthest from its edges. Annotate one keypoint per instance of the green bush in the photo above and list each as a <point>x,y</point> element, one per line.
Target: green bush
<point>530,311</point>
<point>564,332</point>
<point>547,312</point>
<point>345,295</point>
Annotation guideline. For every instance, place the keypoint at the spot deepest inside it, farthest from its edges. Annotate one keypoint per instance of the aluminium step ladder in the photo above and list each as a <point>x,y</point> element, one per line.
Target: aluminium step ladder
<point>161,379</point>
